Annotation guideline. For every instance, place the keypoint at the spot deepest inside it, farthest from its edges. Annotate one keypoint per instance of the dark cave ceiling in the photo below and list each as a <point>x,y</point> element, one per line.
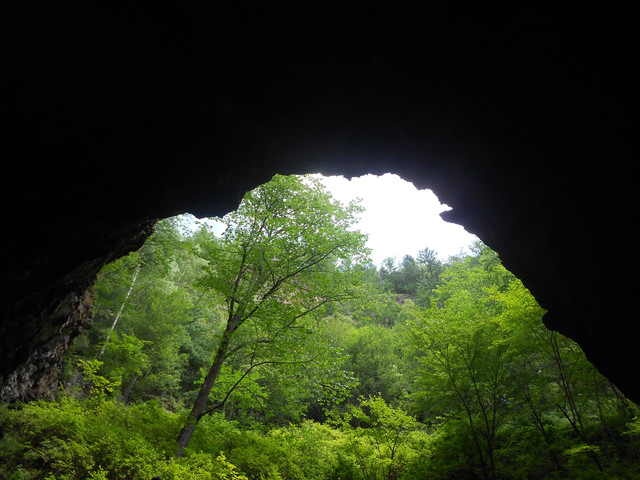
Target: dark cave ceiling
<point>519,119</point>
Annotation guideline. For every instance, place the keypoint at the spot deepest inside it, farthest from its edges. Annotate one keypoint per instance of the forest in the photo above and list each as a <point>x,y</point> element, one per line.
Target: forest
<point>277,350</point>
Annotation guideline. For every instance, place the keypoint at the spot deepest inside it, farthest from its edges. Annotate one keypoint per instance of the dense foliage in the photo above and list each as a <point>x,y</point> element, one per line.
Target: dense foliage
<point>280,259</point>
<point>413,370</point>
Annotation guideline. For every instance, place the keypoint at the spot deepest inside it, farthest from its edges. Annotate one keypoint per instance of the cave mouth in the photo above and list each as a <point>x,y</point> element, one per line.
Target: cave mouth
<point>399,218</point>
<point>514,123</point>
<point>392,208</point>
<point>503,111</point>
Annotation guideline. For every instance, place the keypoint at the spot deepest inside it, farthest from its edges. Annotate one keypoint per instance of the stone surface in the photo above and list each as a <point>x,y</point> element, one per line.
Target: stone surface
<point>518,119</point>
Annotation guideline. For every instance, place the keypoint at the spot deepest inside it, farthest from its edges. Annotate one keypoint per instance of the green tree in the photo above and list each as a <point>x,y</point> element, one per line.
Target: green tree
<point>555,377</point>
<point>464,361</point>
<point>376,359</point>
<point>280,259</point>
<point>496,384</point>
<point>380,437</point>
<point>431,269</point>
<point>410,271</point>
<point>149,317</point>
<point>390,275</point>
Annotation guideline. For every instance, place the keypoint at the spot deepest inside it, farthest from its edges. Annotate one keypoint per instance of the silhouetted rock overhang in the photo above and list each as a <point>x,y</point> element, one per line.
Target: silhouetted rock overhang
<point>518,119</point>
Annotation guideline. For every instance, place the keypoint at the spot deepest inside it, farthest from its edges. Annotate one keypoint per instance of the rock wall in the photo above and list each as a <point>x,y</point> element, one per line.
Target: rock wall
<point>114,117</point>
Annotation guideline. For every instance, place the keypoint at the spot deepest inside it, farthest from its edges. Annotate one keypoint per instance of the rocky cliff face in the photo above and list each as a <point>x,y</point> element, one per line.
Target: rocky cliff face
<point>47,301</point>
<point>36,376</point>
<point>518,119</point>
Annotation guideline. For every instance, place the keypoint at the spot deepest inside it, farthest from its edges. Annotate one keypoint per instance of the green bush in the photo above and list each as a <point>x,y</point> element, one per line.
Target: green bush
<point>257,455</point>
<point>98,438</point>
<point>101,439</point>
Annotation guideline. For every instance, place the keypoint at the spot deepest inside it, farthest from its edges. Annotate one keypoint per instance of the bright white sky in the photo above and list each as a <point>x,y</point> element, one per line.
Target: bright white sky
<point>399,219</point>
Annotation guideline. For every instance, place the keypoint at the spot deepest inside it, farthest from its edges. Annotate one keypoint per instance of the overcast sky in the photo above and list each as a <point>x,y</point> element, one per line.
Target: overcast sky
<point>400,219</point>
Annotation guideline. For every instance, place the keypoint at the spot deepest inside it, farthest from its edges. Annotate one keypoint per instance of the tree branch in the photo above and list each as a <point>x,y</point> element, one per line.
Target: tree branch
<point>221,403</point>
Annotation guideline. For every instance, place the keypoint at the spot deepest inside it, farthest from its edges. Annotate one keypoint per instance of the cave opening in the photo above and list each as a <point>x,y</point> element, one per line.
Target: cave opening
<point>394,214</point>
<point>399,218</point>
<point>436,345</point>
<point>507,113</point>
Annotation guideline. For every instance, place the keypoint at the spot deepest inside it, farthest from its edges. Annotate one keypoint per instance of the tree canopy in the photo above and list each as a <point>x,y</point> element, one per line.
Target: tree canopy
<point>287,250</point>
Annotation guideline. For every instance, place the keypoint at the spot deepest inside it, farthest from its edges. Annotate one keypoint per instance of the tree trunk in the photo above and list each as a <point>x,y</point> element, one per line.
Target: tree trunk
<point>115,320</point>
<point>537,416</point>
<point>200,404</point>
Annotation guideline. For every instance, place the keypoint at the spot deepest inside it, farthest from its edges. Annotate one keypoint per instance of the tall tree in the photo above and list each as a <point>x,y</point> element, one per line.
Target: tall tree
<point>464,356</point>
<point>410,275</point>
<point>282,256</point>
<point>431,268</point>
